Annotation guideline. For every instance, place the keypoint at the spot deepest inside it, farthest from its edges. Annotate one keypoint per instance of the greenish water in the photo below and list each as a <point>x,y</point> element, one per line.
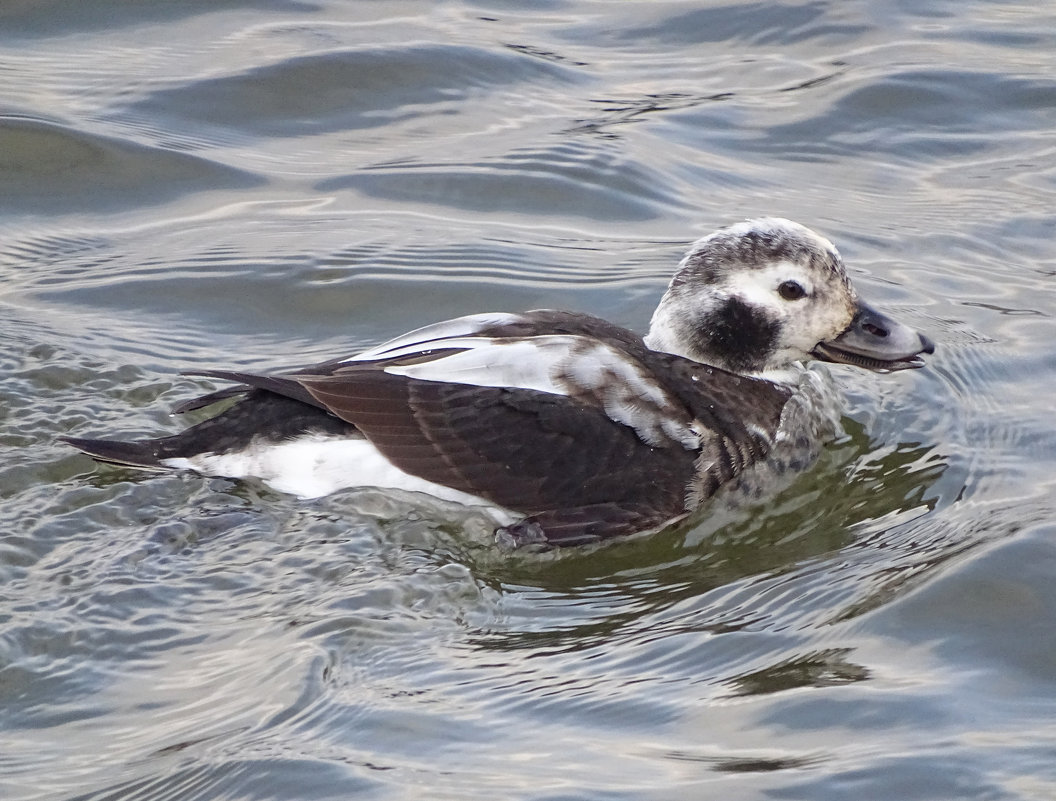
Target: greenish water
<point>263,184</point>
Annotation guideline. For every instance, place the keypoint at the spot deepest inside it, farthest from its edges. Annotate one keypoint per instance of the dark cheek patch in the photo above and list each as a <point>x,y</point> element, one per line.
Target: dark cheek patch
<point>741,335</point>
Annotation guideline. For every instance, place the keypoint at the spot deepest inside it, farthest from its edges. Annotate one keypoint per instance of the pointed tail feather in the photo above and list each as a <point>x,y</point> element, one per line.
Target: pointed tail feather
<point>141,455</point>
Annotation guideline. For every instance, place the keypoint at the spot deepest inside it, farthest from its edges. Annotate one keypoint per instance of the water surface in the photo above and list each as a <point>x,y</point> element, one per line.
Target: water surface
<point>263,184</point>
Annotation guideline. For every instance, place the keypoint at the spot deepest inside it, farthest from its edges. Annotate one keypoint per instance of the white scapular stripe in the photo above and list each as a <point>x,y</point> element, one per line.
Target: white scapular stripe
<point>485,362</point>
<point>568,365</point>
<point>430,335</point>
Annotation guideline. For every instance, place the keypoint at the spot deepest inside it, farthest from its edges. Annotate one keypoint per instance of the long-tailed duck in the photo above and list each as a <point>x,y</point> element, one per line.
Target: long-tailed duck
<point>573,429</point>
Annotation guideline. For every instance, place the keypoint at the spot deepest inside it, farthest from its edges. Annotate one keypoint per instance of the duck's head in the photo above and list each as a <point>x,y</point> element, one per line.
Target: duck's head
<point>756,297</point>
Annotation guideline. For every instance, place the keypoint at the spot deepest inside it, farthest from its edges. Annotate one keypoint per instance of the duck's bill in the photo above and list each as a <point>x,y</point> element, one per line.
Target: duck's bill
<point>876,342</point>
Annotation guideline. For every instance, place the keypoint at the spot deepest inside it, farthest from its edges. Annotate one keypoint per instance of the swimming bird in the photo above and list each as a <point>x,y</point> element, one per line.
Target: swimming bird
<point>572,429</point>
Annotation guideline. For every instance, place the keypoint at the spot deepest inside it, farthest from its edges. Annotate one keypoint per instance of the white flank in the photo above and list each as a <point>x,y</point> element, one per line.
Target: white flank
<point>313,466</point>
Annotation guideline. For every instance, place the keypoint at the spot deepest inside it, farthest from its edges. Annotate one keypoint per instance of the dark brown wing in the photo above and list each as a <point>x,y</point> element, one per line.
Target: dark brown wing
<point>529,451</point>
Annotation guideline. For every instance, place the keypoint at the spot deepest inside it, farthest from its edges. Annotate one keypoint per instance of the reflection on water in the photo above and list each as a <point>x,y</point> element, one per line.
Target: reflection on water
<point>226,185</point>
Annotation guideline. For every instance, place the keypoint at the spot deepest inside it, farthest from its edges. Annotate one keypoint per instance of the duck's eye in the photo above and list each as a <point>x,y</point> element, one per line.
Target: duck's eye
<point>791,290</point>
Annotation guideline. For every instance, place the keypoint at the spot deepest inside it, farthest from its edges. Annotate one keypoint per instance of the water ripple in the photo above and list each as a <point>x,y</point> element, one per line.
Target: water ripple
<point>265,184</point>
<point>355,89</point>
<point>83,169</point>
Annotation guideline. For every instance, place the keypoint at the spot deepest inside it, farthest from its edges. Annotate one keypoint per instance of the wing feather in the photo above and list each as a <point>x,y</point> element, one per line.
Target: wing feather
<point>468,438</point>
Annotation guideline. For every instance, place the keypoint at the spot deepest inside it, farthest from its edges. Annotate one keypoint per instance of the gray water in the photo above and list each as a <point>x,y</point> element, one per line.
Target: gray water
<point>266,184</point>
